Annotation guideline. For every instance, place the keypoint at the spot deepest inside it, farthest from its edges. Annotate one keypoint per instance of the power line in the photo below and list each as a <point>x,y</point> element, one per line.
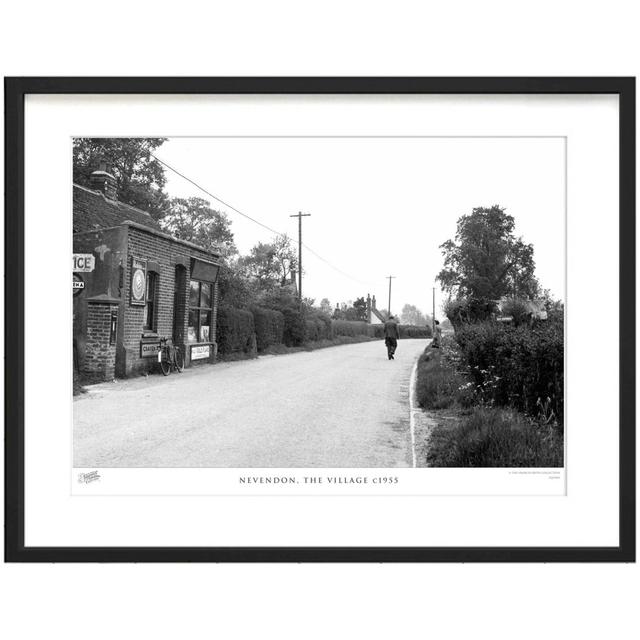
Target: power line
<point>264,226</point>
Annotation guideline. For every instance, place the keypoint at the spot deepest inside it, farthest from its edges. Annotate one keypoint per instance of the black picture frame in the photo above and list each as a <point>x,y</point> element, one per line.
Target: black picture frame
<point>15,91</point>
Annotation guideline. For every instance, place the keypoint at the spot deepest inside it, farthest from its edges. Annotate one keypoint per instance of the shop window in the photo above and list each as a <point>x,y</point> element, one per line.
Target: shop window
<point>150,307</point>
<point>200,311</point>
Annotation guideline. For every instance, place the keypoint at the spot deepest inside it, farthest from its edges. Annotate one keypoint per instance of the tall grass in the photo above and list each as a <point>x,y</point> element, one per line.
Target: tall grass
<point>491,437</point>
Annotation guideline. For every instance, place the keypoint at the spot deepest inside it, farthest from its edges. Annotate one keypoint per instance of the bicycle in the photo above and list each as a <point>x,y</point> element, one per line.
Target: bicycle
<point>170,356</point>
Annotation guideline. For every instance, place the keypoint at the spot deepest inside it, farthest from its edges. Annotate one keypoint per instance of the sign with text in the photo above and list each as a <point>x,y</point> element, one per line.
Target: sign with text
<point>149,349</point>
<point>78,284</point>
<point>200,352</point>
<point>83,262</point>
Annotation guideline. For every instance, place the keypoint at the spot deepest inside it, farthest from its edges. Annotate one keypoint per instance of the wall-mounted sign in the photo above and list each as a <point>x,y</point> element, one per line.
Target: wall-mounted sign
<point>149,349</point>
<point>78,284</point>
<point>138,281</point>
<point>83,262</point>
<point>200,352</point>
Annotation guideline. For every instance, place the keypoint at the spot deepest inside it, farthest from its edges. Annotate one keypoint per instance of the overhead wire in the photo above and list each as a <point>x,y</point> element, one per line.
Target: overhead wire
<point>255,221</point>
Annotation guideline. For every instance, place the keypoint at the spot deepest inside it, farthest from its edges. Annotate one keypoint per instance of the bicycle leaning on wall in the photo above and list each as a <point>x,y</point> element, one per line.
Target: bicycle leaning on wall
<point>170,357</point>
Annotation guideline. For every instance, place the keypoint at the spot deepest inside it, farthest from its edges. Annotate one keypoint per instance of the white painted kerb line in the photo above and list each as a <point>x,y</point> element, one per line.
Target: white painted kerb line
<point>412,409</point>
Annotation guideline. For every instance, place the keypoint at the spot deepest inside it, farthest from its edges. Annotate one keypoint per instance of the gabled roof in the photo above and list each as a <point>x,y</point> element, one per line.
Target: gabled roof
<point>92,210</point>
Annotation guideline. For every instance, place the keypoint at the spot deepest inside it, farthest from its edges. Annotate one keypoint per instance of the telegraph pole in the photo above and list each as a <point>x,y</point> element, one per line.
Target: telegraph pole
<point>389,306</point>
<point>300,215</point>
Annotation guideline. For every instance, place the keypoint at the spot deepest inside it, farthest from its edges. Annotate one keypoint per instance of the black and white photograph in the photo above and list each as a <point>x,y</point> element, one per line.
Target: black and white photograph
<point>318,302</point>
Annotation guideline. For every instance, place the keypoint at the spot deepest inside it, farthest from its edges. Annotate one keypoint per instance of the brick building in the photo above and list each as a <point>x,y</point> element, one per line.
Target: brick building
<point>133,284</point>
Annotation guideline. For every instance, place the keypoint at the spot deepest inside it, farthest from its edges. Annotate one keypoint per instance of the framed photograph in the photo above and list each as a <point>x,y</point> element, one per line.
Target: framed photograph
<point>320,319</point>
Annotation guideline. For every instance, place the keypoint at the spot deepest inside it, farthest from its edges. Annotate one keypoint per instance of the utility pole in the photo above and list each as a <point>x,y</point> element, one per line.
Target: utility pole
<point>389,306</point>
<point>300,215</point>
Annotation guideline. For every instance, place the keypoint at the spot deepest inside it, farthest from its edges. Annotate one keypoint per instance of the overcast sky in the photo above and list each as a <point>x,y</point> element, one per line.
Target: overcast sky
<point>379,206</point>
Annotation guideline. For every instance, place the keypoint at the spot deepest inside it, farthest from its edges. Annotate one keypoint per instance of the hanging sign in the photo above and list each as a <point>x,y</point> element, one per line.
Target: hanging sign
<point>83,262</point>
<point>138,281</point>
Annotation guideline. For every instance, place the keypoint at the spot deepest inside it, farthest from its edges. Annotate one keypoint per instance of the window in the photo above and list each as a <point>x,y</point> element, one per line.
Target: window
<point>150,311</point>
<point>200,310</point>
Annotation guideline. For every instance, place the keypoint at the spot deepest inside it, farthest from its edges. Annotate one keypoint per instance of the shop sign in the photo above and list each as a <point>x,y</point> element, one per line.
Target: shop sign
<point>149,349</point>
<point>200,352</point>
<point>138,281</point>
<point>83,262</point>
<point>78,284</point>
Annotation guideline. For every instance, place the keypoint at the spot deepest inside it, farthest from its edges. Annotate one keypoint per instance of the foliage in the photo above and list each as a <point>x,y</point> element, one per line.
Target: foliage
<point>486,261</point>
<point>269,326</point>
<point>518,309</point>
<point>140,177</point>
<point>271,263</point>
<point>194,220</point>
<point>437,386</point>
<point>491,437</point>
<point>412,315</point>
<point>318,326</point>
<point>352,311</point>
<point>460,311</point>
<point>235,331</point>
<point>516,366</point>
<point>325,306</point>
<point>351,328</point>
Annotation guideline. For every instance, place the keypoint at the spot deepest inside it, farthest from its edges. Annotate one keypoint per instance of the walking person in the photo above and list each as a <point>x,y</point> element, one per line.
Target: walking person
<point>391,335</point>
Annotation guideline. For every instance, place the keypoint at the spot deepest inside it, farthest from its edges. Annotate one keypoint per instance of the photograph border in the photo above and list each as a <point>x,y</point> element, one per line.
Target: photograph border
<point>15,91</point>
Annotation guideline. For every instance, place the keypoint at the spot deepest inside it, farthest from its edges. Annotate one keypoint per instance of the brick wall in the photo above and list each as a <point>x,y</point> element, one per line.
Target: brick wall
<point>163,256</point>
<point>99,356</point>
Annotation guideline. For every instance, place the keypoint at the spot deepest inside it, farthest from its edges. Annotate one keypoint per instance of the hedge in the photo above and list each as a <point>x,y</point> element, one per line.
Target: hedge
<point>519,367</point>
<point>404,330</point>
<point>269,326</point>
<point>352,328</point>
<point>235,331</point>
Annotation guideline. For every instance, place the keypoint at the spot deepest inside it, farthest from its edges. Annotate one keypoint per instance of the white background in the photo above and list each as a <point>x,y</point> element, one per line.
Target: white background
<point>587,516</point>
<point>372,38</point>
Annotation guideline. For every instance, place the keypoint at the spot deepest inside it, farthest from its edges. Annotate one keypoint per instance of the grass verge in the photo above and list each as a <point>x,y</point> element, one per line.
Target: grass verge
<point>493,437</point>
<point>469,434</point>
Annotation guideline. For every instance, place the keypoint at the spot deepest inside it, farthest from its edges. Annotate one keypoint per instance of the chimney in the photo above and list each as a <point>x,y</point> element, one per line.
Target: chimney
<point>293,279</point>
<point>103,181</point>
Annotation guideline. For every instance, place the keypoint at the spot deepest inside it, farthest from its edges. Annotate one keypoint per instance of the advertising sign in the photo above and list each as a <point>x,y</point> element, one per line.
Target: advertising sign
<point>83,262</point>
<point>138,281</point>
<point>149,349</point>
<point>78,284</point>
<point>200,352</point>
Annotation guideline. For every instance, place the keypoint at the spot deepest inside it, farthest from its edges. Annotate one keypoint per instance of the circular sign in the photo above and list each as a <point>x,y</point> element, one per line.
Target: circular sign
<point>78,284</point>
<point>137,284</point>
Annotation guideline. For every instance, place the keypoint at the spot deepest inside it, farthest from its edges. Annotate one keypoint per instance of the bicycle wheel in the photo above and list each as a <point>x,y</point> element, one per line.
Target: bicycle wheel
<point>165,363</point>
<point>179,360</point>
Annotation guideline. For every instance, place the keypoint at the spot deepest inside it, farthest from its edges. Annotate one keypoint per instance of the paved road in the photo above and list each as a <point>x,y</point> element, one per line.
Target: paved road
<point>345,406</point>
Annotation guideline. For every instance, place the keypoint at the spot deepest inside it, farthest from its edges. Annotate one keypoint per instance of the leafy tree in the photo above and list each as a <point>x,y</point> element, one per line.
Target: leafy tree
<point>193,219</point>
<point>486,261</point>
<point>140,178</point>
<point>412,315</point>
<point>271,263</point>
<point>325,306</point>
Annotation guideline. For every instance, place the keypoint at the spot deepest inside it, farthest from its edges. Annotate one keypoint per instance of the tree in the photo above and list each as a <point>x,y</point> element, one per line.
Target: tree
<point>486,261</point>
<point>412,315</point>
<point>194,220</point>
<point>271,263</point>
<point>140,178</point>
<point>325,306</point>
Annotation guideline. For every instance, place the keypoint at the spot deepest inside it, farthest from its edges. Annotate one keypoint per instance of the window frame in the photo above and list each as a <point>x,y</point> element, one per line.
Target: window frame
<point>199,309</point>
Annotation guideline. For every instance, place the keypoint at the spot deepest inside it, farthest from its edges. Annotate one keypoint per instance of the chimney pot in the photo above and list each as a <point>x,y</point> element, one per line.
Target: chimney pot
<point>102,180</point>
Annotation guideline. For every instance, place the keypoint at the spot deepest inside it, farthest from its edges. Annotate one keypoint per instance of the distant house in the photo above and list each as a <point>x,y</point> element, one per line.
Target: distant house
<point>132,284</point>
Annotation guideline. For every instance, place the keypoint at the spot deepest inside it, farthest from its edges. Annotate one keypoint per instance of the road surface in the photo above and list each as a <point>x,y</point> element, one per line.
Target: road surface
<point>344,406</point>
